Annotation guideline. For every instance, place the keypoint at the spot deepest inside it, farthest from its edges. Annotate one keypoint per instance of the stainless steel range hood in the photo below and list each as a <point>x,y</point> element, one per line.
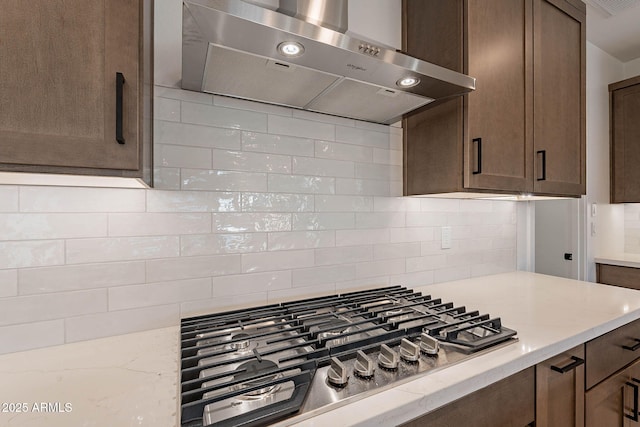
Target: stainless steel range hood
<point>238,48</point>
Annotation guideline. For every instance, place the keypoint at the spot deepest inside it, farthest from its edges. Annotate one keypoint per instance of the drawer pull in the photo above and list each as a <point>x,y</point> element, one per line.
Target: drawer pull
<point>634,347</point>
<point>477,143</point>
<point>576,362</point>
<point>119,111</point>
<point>634,386</point>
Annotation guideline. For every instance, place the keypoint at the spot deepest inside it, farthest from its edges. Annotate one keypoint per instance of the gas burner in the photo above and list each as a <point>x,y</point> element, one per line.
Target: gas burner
<point>253,368</point>
<point>244,345</point>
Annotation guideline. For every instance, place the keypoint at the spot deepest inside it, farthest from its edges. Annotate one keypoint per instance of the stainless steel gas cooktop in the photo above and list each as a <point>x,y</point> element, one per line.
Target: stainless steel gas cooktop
<point>257,366</point>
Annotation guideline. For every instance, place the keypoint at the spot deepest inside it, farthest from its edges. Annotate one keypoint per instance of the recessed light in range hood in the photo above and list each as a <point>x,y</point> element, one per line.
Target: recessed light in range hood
<point>239,49</point>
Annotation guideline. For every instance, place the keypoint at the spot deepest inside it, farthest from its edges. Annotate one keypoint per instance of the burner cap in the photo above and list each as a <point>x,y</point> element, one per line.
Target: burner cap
<point>240,345</point>
<point>256,367</point>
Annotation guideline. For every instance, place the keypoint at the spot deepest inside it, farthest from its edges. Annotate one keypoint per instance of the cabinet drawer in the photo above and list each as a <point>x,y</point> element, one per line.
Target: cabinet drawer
<point>611,352</point>
<point>627,277</point>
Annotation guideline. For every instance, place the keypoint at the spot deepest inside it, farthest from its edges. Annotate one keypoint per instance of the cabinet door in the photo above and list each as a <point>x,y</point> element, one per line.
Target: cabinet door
<point>509,402</point>
<point>58,85</point>
<point>497,133</point>
<point>560,390</point>
<point>559,97</point>
<point>612,403</point>
<point>625,144</point>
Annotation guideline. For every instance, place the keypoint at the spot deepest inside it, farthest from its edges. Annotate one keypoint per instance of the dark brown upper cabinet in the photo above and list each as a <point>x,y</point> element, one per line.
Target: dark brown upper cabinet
<point>625,140</point>
<point>76,87</point>
<point>523,129</point>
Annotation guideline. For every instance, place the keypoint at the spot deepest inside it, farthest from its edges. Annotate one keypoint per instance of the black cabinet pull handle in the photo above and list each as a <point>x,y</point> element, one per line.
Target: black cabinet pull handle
<point>119,101</point>
<point>576,362</point>
<point>542,165</point>
<point>632,347</point>
<point>634,415</point>
<point>477,144</point>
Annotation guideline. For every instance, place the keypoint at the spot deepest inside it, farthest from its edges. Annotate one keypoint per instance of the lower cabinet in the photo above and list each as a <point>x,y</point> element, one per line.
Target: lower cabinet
<point>560,390</point>
<point>627,277</point>
<point>614,402</point>
<point>509,402</point>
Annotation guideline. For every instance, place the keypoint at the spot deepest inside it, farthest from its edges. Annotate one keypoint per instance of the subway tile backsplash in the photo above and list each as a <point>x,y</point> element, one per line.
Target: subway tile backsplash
<point>252,204</point>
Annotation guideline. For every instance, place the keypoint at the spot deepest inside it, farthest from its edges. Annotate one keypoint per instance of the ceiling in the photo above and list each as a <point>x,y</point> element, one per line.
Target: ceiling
<point>614,26</point>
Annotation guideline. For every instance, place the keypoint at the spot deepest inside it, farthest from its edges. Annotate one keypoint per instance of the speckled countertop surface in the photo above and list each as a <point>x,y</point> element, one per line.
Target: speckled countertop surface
<point>131,380</point>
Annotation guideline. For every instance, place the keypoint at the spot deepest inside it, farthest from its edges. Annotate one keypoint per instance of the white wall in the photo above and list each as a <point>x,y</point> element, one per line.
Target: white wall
<point>602,69</point>
<point>632,68</point>
<point>253,204</point>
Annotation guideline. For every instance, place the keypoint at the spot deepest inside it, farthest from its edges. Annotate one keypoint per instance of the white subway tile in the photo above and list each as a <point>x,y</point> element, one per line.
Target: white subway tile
<point>31,253</point>
<point>180,156</point>
<point>362,137</point>
<point>277,144</point>
<point>373,126</point>
<point>463,258</point>
<point>243,104</point>
<point>362,237</point>
<point>82,251</point>
<point>222,304</point>
<point>31,335</point>
<point>380,268</point>
<point>426,219</point>
<point>214,180</point>
<point>30,226</point>
<point>396,141</point>
<point>223,117</point>
<point>414,234</point>
<point>301,240</point>
<point>152,294</point>
<point>158,224</point>
<point>301,184</point>
<point>362,187</point>
<point>362,284</point>
<point>80,277</point>
<point>192,201</point>
<point>281,260</point>
<point>323,221</point>
<point>450,274</point>
<point>277,202</point>
<point>431,247</point>
<point>166,109</point>
<point>380,172</point>
<point>323,275</point>
<point>427,262</point>
<point>301,128</point>
<point>413,280</point>
<point>396,250</point>
<point>396,204</point>
<point>387,157</point>
<point>344,255</point>
<point>396,188</point>
<point>301,293</point>
<point>324,118</point>
<point>195,136</point>
<point>214,244</point>
<point>192,267</point>
<point>121,322</point>
<point>242,284</point>
<point>507,243</point>
<point>468,218</point>
<point>343,204</point>
<point>380,219</point>
<point>8,198</point>
<point>503,206</point>
<point>35,308</point>
<point>183,95</point>
<point>323,167</point>
<point>439,205</point>
<point>250,222</point>
<point>8,283</point>
<point>79,199</point>
<point>166,178</point>
<point>340,151</point>
<point>470,205</point>
<point>251,162</point>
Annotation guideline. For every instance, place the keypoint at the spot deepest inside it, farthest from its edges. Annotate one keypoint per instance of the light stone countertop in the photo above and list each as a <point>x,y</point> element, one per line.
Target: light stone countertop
<point>620,259</point>
<point>131,380</point>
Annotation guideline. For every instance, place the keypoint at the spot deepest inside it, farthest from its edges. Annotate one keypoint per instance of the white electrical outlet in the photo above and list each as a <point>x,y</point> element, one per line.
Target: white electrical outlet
<point>593,228</point>
<point>594,209</point>
<point>446,237</point>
